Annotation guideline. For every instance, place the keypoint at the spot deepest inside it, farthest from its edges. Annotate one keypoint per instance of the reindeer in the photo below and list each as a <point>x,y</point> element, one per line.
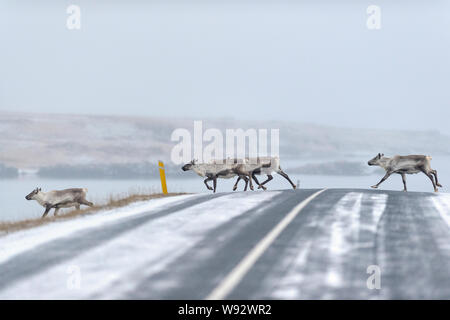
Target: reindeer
<point>246,170</point>
<point>59,199</point>
<point>405,165</point>
<point>266,165</point>
<point>214,170</point>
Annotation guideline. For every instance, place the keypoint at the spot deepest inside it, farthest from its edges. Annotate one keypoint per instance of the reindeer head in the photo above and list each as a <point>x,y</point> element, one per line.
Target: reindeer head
<point>188,166</point>
<point>375,161</point>
<point>33,193</point>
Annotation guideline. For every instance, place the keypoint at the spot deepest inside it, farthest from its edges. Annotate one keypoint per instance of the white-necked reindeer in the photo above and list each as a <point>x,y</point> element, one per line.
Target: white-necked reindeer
<point>405,165</point>
<point>59,199</point>
<point>266,165</point>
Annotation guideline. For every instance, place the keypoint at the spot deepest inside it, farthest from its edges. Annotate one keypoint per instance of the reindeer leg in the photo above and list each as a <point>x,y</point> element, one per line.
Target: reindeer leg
<point>281,173</point>
<point>432,180</point>
<point>215,183</point>
<point>434,172</point>
<point>250,180</point>
<point>269,177</point>
<point>245,180</point>
<point>86,203</point>
<point>56,211</point>
<point>246,183</point>
<point>257,182</point>
<point>404,182</point>
<point>47,209</point>
<point>236,184</point>
<point>387,175</point>
<point>206,183</point>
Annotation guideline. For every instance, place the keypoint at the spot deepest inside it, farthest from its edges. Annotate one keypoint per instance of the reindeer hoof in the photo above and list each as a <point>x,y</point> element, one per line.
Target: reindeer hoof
<point>234,188</point>
<point>439,185</point>
<point>374,187</point>
<point>295,187</point>
<point>436,190</point>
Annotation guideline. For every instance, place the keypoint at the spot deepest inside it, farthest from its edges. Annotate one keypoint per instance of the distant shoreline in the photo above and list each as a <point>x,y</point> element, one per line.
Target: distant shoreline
<point>146,171</point>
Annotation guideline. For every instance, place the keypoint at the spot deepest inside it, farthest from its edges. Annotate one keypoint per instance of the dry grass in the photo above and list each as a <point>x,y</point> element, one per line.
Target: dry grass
<point>112,203</point>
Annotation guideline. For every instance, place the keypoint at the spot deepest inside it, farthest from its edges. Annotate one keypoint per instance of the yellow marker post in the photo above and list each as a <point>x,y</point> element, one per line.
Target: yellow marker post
<point>162,175</point>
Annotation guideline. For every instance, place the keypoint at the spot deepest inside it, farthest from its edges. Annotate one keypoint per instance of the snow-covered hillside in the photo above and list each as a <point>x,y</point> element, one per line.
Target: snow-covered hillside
<point>39,140</point>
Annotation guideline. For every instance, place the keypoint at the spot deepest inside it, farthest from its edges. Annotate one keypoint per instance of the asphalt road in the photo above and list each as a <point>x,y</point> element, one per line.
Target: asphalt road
<point>302,244</point>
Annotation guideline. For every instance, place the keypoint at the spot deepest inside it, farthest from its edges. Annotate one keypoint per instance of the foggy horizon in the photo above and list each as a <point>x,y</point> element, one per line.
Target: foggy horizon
<point>241,123</point>
<point>309,63</point>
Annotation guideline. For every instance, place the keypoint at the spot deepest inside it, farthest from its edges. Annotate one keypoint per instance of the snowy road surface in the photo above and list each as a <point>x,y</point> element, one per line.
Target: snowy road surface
<point>302,244</point>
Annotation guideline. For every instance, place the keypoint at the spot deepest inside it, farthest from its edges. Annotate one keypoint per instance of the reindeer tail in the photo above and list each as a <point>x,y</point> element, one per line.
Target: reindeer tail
<point>429,157</point>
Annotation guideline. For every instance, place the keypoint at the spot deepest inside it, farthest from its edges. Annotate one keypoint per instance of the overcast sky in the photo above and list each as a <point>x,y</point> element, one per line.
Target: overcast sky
<point>310,62</point>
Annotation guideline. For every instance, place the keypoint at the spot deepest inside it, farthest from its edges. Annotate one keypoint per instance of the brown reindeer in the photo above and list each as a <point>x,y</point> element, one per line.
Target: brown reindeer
<point>405,165</point>
<point>265,165</point>
<point>59,199</point>
<point>214,170</point>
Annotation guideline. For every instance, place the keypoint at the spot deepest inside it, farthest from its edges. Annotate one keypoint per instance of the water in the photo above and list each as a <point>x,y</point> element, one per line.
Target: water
<point>14,206</point>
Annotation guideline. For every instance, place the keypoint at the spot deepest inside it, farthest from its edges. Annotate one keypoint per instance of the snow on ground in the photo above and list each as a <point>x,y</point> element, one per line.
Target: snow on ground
<point>112,269</point>
<point>21,241</point>
<point>342,228</point>
<point>332,243</point>
<point>442,204</point>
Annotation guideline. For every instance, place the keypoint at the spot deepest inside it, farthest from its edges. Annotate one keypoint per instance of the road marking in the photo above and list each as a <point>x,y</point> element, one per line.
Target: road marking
<point>236,275</point>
